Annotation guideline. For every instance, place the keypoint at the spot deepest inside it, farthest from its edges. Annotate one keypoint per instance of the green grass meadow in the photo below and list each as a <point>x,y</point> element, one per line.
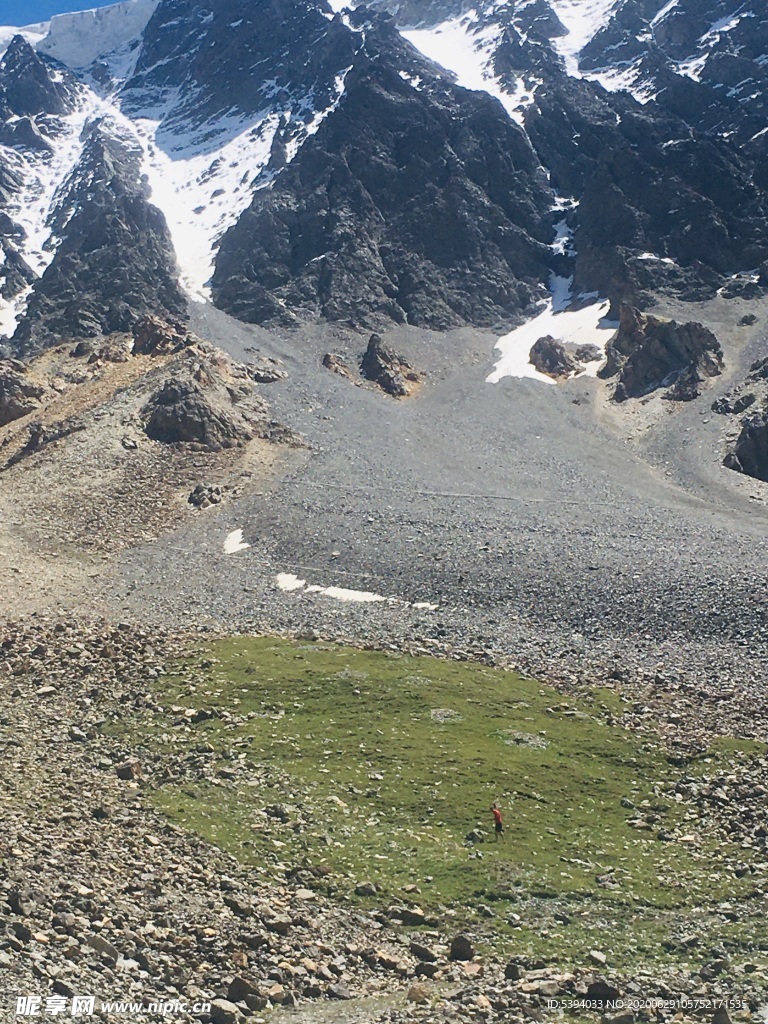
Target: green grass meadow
<point>385,763</point>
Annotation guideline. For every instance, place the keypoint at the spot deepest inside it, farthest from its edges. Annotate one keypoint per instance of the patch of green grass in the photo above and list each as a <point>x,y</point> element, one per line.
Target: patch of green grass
<point>385,764</point>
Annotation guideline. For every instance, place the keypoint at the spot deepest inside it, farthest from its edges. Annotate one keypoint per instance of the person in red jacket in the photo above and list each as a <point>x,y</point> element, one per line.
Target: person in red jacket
<point>498,824</point>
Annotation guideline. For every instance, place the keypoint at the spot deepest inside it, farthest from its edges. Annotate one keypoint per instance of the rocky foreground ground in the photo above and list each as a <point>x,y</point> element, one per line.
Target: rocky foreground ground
<point>100,896</point>
<point>625,556</point>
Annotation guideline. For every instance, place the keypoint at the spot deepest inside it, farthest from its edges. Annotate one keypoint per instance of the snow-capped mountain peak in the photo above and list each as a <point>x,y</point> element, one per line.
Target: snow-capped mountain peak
<point>288,159</point>
<point>80,39</point>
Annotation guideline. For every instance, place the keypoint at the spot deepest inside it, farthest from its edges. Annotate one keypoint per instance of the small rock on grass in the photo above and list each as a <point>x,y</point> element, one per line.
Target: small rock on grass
<point>461,948</point>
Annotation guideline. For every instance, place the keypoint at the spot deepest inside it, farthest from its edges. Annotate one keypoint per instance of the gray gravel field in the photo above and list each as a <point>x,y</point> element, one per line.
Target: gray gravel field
<point>542,524</point>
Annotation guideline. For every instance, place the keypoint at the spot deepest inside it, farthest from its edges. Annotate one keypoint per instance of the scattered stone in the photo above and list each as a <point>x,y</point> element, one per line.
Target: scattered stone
<point>338,990</point>
<point>513,971</point>
<point>153,336</point>
<point>418,994</point>
<point>129,770</point>
<point>224,1012</point>
<point>206,495</point>
<point>101,945</point>
<point>366,889</point>
<point>461,948</point>
<point>261,373</point>
<point>423,953</point>
<point>336,364</point>
<point>601,992</point>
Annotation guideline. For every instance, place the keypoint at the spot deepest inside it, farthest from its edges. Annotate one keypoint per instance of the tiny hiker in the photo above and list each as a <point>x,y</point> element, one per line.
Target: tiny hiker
<point>498,824</point>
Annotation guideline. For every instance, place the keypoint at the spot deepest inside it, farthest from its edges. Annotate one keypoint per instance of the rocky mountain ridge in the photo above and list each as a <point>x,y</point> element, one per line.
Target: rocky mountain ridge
<point>249,129</point>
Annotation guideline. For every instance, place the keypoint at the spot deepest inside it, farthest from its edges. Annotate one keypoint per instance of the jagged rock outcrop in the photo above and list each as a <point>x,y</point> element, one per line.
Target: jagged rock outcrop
<point>648,352</point>
<point>729,405</point>
<point>206,405</point>
<point>749,454</point>
<point>153,336</point>
<point>34,99</point>
<point>115,262</point>
<point>28,89</point>
<point>382,366</point>
<point>15,273</point>
<point>18,394</point>
<point>336,364</point>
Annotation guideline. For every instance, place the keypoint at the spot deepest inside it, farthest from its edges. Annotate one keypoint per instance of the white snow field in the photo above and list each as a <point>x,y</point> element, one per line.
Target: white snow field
<point>586,326</point>
<point>466,49</point>
<point>81,38</point>
<point>582,19</point>
<point>203,192</point>
<point>32,33</point>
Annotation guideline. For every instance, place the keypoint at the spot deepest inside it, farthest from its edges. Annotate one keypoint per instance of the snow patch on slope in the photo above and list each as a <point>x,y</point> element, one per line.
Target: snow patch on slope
<point>44,175</point>
<point>582,19</point>
<point>625,77</point>
<point>291,584</point>
<point>203,182</point>
<point>202,192</point>
<point>466,49</point>
<point>234,542</point>
<point>586,326</point>
<point>12,311</point>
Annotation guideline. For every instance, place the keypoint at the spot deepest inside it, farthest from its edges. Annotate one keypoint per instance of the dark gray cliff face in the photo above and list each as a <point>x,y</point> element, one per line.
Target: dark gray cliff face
<point>679,170</point>
<point>29,88</point>
<point>426,206</point>
<point>33,99</point>
<point>721,43</point>
<point>238,56</point>
<point>341,235</point>
<point>647,184</point>
<point>115,261</point>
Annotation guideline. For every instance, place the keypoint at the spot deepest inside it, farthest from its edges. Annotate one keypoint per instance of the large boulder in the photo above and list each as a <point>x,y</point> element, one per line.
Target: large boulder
<point>649,352</point>
<point>382,366</point>
<point>549,356</point>
<point>204,404</point>
<point>18,394</point>
<point>749,453</point>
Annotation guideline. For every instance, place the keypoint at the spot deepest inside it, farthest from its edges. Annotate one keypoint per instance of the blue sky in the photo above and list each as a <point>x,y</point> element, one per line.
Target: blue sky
<point>27,12</point>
